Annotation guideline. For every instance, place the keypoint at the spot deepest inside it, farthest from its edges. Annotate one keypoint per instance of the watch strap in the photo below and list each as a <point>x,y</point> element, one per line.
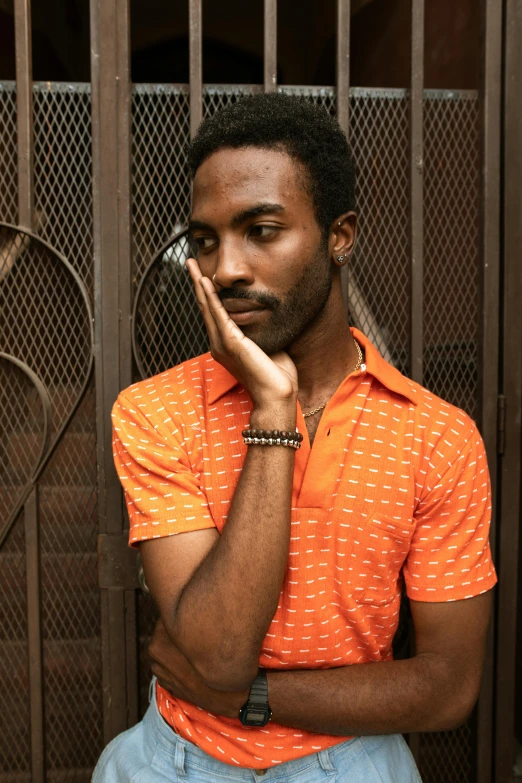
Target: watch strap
<point>259,689</point>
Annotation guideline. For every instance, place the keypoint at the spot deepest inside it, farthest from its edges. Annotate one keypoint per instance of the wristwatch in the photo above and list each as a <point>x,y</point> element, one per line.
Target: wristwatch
<point>255,711</point>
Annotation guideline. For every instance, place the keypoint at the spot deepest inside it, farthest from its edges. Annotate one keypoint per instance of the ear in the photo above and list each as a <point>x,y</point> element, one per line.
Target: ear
<point>343,235</point>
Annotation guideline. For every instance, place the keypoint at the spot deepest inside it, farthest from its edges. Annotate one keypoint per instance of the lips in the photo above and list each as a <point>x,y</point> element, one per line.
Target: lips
<point>241,305</point>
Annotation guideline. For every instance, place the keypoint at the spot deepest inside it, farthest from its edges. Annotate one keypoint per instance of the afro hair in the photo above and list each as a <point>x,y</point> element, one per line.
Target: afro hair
<point>305,131</point>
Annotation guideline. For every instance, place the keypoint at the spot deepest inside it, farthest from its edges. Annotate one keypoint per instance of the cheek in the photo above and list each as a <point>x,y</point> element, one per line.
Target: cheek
<point>283,261</point>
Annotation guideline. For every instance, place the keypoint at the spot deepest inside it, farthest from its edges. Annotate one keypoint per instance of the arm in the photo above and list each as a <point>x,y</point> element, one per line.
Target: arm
<point>218,594</point>
<point>433,691</point>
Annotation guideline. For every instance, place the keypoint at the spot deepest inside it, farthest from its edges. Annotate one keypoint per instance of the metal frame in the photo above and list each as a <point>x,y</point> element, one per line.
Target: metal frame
<point>47,453</point>
<point>24,102</point>
<point>489,329</point>
<point>416,190</point>
<point>510,474</point>
<point>110,65</point>
<point>113,338</point>
<point>270,45</point>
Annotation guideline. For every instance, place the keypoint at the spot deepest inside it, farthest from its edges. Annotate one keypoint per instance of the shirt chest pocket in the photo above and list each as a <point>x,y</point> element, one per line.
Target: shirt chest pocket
<point>379,551</point>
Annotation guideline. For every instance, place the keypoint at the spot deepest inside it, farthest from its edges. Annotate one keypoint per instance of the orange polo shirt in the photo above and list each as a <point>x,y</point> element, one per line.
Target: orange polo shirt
<point>395,487</point>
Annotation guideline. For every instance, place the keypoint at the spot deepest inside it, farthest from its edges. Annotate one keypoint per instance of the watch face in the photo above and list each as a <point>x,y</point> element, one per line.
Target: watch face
<point>255,716</point>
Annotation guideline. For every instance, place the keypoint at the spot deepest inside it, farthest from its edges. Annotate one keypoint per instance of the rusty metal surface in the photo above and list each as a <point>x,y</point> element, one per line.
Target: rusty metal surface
<point>24,101</point>
<point>270,45</point>
<point>509,538</point>
<point>416,190</point>
<point>110,67</point>
<point>34,636</point>
<point>195,64</point>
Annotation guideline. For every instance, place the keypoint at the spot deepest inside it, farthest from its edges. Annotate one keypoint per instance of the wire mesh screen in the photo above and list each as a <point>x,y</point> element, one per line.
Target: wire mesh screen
<point>19,452</point>
<point>8,140</point>
<point>167,324</point>
<point>160,180</point>
<point>44,321</point>
<point>451,246</point>
<point>378,282</point>
<point>70,600</point>
<point>62,171</point>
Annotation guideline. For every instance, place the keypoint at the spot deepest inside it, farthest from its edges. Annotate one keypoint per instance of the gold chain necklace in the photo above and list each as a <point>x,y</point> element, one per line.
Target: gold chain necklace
<point>357,367</point>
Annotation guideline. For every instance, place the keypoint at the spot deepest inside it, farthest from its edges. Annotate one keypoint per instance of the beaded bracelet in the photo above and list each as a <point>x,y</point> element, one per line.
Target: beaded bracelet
<point>273,438</point>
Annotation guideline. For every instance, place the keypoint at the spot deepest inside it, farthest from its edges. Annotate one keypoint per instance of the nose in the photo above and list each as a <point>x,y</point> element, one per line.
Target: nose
<point>232,267</point>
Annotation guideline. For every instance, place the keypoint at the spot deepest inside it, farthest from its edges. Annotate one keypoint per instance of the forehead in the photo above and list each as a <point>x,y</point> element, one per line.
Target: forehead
<point>233,179</point>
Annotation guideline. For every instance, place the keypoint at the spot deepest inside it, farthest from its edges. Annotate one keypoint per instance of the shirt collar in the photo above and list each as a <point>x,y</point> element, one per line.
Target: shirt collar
<point>222,381</point>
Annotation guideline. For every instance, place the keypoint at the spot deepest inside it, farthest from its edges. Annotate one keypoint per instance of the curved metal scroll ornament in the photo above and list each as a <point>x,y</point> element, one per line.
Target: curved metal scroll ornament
<point>46,332</point>
<point>167,326</point>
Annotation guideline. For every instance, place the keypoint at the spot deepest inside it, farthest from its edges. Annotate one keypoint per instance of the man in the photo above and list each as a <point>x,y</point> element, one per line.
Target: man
<point>281,490</point>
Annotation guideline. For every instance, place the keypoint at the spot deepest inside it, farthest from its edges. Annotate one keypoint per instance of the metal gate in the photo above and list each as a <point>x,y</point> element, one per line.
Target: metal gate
<point>93,186</point>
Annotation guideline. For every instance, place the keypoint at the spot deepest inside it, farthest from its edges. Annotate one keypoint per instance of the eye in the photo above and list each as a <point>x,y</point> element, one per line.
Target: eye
<point>262,231</point>
<point>204,242</point>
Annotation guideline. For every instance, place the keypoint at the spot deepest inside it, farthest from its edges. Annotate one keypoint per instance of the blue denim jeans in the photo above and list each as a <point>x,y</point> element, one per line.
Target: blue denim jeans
<point>151,752</point>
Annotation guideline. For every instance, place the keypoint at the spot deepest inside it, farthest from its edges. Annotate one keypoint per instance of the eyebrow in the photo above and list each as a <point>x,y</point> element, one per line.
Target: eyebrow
<point>241,217</point>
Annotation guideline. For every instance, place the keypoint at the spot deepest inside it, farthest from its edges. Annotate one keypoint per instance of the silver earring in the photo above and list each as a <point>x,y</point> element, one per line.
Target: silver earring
<point>340,259</point>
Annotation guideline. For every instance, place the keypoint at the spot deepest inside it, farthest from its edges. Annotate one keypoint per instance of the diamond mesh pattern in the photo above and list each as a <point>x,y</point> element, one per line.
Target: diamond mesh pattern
<point>62,171</point>
<point>218,96</point>
<point>446,756</point>
<point>8,137</point>
<point>160,180</point>
<point>20,447</point>
<point>168,328</point>
<point>43,318</point>
<point>451,246</point>
<point>379,272</point>
<point>14,685</point>
<point>70,605</point>
<point>322,96</point>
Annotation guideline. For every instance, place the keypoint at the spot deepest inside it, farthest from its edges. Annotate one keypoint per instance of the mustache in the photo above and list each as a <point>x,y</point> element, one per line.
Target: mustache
<point>267,300</point>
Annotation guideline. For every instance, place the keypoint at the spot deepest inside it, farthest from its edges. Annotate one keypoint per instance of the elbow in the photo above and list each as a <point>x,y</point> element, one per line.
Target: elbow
<point>456,710</point>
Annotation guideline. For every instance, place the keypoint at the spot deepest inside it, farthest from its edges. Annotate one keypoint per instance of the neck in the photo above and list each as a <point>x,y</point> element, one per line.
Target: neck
<point>325,352</point>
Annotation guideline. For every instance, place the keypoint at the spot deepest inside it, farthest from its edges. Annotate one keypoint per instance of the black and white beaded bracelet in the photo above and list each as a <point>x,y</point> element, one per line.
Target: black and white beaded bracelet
<point>258,437</point>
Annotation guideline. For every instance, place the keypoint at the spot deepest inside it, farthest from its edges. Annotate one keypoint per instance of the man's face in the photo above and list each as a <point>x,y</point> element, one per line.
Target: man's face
<point>254,224</point>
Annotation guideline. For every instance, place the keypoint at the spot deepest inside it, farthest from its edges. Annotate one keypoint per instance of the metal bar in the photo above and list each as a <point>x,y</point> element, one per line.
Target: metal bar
<point>509,530</point>
<point>416,189</point>
<point>34,636</point>
<point>24,105</point>
<point>343,65</point>
<point>196,64</point>
<point>489,326</point>
<point>111,123</point>
<point>270,45</point>
<point>343,99</point>
<point>132,663</point>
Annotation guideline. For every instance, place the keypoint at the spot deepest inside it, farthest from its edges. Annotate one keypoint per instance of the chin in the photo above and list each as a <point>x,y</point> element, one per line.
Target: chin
<point>268,342</point>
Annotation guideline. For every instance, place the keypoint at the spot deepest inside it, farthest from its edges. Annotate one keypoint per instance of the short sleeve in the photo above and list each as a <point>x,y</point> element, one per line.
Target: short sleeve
<point>450,557</point>
<point>162,492</point>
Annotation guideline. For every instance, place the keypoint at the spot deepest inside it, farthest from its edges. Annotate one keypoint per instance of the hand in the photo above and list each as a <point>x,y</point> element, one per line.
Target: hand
<point>175,673</point>
<point>271,381</point>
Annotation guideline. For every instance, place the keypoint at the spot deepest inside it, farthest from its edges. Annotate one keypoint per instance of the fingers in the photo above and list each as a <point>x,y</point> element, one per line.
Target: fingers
<point>227,327</point>
<point>219,325</point>
<point>201,297</point>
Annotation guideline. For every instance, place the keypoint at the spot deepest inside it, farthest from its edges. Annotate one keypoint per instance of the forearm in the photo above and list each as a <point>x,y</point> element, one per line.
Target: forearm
<point>371,698</point>
<point>226,607</point>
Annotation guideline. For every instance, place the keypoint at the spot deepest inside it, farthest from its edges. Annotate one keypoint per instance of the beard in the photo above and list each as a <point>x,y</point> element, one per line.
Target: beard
<point>289,317</point>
